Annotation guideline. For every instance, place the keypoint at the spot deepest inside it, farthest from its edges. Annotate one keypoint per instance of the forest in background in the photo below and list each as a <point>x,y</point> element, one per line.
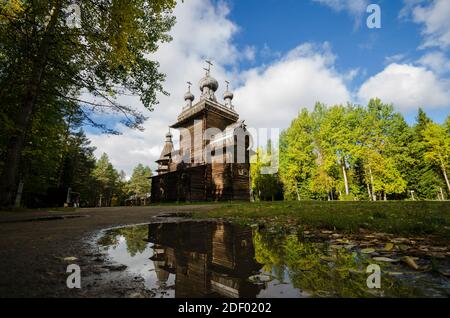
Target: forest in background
<point>61,70</point>
<point>330,153</point>
<point>357,153</point>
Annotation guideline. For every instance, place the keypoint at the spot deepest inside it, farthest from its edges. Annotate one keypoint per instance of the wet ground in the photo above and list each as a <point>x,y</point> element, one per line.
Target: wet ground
<point>37,246</point>
<point>183,258</point>
<point>176,257</point>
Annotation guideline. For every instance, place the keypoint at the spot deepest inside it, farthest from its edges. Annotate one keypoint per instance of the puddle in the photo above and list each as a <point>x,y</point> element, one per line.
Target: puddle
<point>194,259</point>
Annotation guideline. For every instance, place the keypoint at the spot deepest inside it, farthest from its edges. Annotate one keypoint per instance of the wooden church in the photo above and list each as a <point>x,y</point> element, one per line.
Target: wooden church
<point>213,160</point>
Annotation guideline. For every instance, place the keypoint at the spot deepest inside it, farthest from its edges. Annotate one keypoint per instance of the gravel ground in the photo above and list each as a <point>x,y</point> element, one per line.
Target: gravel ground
<point>33,246</point>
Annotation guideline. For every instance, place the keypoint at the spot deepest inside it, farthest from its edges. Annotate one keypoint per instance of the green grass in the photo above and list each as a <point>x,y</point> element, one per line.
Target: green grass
<point>397,217</point>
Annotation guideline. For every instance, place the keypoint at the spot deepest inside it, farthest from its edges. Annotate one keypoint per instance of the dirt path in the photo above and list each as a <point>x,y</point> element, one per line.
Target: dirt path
<point>32,251</point>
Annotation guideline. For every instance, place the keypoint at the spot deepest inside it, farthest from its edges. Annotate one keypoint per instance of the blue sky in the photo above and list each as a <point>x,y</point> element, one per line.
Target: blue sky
<point>284,55</point>
<point>281,25</point>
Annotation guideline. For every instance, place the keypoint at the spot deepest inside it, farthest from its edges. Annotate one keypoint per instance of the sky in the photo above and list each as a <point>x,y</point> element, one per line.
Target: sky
<point>284,55</point>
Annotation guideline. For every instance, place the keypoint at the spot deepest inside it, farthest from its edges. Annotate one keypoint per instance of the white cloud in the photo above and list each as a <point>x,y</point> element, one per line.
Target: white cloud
<point>202,31</point>
<point>272,96</point>
<point>438,62</point>
<point>355,8</point>
<point>434,16</point>
<point>407,87</point>
<point>265,96</point>
<point>268,96</point>
<point>396,58</point>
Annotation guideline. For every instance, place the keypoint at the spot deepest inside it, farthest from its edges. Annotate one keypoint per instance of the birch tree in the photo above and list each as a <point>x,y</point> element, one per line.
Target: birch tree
<point>437,145</point>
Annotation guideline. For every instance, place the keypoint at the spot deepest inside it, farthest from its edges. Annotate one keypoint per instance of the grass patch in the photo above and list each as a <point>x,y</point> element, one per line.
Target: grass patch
<point>396,217</point>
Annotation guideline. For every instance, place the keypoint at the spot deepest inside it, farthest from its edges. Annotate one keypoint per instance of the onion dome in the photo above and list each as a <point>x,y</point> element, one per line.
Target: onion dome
<point>169,137</point>
<point>189,96</point>
<point>228,95</point>
<point>210,82</point>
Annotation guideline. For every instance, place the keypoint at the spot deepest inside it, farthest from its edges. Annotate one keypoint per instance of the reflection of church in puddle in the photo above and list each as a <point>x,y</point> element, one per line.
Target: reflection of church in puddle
<point>207,259</point>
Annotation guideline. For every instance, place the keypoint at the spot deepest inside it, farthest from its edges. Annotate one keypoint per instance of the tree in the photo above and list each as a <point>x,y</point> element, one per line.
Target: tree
<point>437,148</point>
<point>107,180</point>
<point>264,186</point>
<point>346,152</point>
<point>297,158</point>
<point>139,183</point>
<point>380,146</point>
<point>77,168</point>
<point>424,178</point>
<point>43,58</point>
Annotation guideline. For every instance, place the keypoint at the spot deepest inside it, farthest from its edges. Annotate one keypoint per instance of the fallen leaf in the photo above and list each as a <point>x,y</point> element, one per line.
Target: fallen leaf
<point>394,273</point>
<point>410,262</point>
<point>70,258</point>
<point>368,250</point>
<point>385,259</point>
<point>388,246</point>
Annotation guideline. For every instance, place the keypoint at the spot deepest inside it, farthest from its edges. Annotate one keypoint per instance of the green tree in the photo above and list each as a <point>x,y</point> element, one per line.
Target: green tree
<point>379,147</point>
<point>43,58</point>
<point>107,181</point>
<point>139,183</point>
<point>297,158</point>
<point>336,138</point>
<point>423,177</point>
<point>437,148</point>
<point>264,186</point>
<point>77,168</point>
<point>346,152</point>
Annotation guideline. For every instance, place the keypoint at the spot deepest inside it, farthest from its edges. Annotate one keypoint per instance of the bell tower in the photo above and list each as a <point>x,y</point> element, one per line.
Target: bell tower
<point>206,113</point>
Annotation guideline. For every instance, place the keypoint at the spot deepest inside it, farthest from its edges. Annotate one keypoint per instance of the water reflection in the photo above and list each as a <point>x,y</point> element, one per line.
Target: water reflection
<point>213,259</point>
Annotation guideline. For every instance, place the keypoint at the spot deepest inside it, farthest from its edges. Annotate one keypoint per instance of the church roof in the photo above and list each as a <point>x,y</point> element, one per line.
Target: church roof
<point>201,106</point>
<point>167,150</point>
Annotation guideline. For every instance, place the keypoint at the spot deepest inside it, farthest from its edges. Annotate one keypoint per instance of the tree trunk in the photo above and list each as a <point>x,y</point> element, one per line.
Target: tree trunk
<point>344,171</point>
<point>444,172</point>
<point>368,191</point>
<point>374,195</point>
<point>9,176</point>
<point>298,194</point>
